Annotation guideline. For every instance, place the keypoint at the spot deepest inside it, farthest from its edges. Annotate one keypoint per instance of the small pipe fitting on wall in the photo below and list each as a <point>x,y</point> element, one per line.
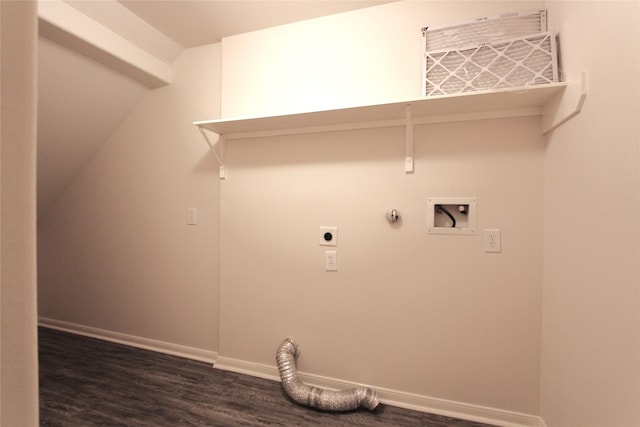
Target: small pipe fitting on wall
<point>316,397</point>
<point>392,215</point>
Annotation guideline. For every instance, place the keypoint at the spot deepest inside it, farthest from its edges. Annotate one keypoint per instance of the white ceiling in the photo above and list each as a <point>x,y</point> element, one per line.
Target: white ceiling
<point>81,102</point>
<point>196,23</point>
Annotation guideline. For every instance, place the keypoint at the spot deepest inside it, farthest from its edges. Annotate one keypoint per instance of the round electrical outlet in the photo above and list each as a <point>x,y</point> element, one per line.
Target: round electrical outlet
<point>328,236</point>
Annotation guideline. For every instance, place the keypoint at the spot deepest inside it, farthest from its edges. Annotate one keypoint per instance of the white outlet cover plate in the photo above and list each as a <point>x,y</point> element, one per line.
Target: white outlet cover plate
<point>492,240</point>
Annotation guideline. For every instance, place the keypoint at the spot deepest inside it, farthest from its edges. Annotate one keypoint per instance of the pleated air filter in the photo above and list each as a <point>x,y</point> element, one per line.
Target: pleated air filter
<point>507,51</point>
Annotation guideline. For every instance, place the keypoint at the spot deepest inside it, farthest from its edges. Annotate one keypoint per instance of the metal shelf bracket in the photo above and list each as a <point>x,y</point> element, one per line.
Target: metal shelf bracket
<point>218,153</point>
<point>566,105</point>
<point>408,140</point>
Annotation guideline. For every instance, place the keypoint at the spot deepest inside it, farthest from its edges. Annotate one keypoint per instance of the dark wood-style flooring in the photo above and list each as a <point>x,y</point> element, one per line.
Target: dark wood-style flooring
<point>89,382</point>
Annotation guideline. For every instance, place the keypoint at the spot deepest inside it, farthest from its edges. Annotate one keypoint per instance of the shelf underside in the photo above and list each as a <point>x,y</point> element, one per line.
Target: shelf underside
<point>528,100</point>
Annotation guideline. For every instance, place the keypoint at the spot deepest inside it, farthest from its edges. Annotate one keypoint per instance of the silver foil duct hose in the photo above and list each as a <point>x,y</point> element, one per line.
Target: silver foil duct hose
<point>316,397</point>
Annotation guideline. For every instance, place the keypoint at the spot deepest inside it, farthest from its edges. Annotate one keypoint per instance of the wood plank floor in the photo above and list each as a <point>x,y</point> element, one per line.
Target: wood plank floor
<point>89,382</point>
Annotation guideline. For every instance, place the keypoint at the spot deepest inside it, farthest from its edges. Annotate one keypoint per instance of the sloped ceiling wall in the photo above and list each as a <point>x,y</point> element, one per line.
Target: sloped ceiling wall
<point>80,103</point>
<point>87,69</point>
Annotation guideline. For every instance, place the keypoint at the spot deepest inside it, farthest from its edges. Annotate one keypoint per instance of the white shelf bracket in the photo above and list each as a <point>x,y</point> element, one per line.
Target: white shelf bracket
<point>408,140</point>
<point>219,154</point>
<point>565,105</point>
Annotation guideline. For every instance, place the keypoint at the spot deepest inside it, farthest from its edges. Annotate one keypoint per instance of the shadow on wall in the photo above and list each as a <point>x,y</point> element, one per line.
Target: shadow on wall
<point>437,141</point>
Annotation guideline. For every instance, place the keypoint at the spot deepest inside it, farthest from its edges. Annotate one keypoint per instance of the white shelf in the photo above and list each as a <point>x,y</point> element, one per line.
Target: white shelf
<point>555,102</point>
<point>528,100</point>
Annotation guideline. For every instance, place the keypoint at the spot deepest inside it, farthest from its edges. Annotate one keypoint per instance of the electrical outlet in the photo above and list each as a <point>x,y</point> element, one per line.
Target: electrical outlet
<point>492,240</point>
<point>328,236</point>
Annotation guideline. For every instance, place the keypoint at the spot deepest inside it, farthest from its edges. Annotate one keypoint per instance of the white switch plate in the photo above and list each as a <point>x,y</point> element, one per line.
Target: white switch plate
<point>492,240</point>
<point>330,261</point>
<point>192,216</point>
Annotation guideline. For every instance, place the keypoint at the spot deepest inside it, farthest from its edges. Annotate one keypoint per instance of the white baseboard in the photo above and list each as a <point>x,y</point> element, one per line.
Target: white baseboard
<point>131,340</point>
<point>397,398</point>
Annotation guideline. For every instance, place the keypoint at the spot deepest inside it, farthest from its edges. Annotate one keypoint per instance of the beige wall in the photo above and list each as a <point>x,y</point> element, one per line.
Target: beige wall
<point>363,57</point>
<point>18,333</point>
<point>591,328</point>
<point>549,326</point>
<point>64,74</point>
<point>116,251</point>
<point>424,314</point>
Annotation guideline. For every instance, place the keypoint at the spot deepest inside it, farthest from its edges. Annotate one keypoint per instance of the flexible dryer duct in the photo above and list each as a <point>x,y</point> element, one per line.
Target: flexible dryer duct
<point>316,397</point>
